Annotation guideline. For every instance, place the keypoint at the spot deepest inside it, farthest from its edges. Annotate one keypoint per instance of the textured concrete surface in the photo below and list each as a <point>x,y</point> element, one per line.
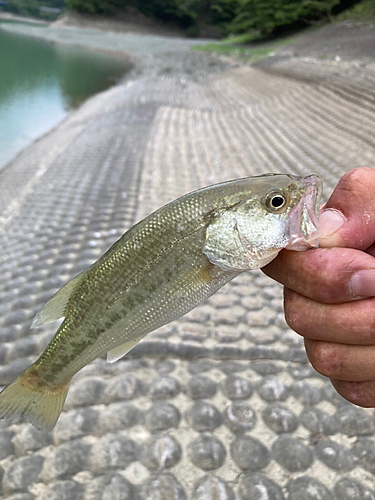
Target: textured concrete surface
<point>222,404</point>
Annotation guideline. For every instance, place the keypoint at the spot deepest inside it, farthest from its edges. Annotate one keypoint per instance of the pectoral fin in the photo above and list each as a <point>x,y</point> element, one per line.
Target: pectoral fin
<point>54,309</point>
<point>120,351</point>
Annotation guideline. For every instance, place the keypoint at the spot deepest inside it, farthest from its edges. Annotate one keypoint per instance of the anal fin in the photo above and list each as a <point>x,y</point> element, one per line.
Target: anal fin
<point>120,351</point>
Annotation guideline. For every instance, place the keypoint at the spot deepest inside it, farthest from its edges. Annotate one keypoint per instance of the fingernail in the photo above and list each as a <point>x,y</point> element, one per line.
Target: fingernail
<point>330,221</point>
<point>362,283</point>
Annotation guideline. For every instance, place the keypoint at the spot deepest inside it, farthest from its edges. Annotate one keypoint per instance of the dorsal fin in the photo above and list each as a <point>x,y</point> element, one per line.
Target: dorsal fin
<point>54,309</point>
<point>120,351</point>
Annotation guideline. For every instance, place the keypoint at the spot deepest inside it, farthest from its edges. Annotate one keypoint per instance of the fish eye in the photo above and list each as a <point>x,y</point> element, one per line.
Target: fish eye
<point>275,201</point>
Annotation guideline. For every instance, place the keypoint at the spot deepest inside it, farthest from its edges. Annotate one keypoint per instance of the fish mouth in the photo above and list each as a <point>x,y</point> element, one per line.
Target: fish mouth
<point>304,218</point>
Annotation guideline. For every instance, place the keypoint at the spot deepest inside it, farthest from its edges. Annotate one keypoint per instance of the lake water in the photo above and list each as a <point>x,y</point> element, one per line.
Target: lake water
<point>41,82</point>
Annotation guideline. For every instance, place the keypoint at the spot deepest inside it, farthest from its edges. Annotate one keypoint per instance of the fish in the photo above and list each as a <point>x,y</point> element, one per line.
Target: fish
<point>159,270</point>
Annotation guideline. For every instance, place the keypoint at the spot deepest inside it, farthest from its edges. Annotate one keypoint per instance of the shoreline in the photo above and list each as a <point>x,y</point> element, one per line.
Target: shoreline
<point>41,36</point>
<point>21,29</point>
<point>134,48</point>
<point>8,16</point>
<point>138,48</point>
<point>136,24</point>
<point>125,42</point>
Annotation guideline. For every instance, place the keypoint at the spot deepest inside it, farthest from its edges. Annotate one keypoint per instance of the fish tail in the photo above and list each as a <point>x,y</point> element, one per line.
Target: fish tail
<point>31,397</point>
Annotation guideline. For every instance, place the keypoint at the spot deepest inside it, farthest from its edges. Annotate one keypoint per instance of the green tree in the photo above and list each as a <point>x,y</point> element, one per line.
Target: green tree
<point>261,17</point>
<point>97,6</point>
<point>265,15</point>
<point>223,11</point>
<point>23,7</point>
<point>184,12</point>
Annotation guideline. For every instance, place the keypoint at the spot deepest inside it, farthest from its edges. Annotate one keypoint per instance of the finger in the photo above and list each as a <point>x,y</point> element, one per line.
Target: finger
<point>347,323</point>
<point>329,275</point>
<point>341,361</point>
<point>359,393</point>
<point>348,219</point>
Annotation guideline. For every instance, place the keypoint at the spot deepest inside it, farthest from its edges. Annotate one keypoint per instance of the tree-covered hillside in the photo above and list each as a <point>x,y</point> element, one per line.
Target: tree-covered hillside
<point>257,17</point>
<point>233,16</point>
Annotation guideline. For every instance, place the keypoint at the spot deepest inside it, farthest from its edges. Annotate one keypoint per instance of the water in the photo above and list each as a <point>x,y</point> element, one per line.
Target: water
<point>41,82</point>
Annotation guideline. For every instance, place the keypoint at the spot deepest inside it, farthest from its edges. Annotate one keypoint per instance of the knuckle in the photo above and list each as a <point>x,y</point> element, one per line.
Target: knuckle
<point>365,330</point>
<point>368,326</point>
<point>336,266</point>
<point>325,358</point>
<point>363,400</point>
<point>295,312</point>
<point>323,285</point>
<point>358,180</point>
<point>324,291</point>
<point>357,175</point>
<point>361,322</point>
<point>370,332</point>
<point>293,316</point>
<point>358,393</point>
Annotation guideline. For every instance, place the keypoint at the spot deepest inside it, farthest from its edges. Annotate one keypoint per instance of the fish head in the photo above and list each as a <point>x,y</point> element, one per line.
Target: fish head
<point>273,212</point>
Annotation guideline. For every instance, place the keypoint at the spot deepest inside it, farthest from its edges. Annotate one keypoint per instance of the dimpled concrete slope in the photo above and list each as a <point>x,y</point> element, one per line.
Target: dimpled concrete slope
<point>222,404</point>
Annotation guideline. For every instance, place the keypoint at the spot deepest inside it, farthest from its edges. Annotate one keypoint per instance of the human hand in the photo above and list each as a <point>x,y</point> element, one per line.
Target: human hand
<point>329,294</point>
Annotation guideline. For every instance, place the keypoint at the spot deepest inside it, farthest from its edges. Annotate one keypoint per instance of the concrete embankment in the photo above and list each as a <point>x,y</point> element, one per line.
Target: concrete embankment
<point>222,403</point>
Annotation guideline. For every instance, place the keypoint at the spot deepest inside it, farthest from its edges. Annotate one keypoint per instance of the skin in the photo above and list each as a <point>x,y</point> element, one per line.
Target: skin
<point>321,296</point>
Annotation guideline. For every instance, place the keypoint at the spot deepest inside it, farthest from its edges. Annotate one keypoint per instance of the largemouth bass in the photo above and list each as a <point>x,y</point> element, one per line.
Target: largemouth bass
<point>160,269</point>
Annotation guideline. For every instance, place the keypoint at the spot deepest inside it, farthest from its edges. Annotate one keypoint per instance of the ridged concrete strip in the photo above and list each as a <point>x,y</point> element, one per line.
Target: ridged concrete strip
<point>353,78</point>
<point>234,151</point>
<point>305,148</point>
<point>336,142</point>
<point>329,93</point>
<point>340,116</point>
<point>275,108</point>
<point>333,138</point>
<point>251,86</point>
<point>302,102</point>
<point>321,158</point>
<point>207,146</point>
<point>256,157</point>
<point>18,182</point>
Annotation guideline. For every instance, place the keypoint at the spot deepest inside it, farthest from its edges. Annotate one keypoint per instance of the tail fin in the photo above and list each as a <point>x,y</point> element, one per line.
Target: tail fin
<point>29,396</point>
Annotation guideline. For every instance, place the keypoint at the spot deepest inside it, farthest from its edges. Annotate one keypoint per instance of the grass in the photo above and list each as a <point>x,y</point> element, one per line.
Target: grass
<point>235,47</point>
<point>363,11</point>
<point>238,46</point>
<point>240,52</point>
<point>240,39</point>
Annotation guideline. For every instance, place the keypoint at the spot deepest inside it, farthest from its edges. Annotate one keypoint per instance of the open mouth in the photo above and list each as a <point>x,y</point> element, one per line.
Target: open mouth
<point>304,218</point>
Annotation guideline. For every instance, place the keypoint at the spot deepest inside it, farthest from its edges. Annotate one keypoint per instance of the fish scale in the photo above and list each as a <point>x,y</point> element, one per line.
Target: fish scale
<point>140,300</point>
<point>160,269</point>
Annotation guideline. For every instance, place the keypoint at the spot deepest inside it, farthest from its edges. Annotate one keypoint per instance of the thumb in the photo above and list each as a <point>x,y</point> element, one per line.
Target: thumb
<point>348,218</point>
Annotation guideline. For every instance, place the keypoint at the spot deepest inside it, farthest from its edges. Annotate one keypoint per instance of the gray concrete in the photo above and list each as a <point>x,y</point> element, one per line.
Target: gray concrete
<point>223,403</point>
